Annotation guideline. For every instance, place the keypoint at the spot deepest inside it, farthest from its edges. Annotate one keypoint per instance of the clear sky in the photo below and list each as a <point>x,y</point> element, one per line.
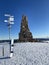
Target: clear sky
<point>37,12</point>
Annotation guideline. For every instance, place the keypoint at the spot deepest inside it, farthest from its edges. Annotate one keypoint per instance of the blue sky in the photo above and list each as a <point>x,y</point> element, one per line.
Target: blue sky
<point>37,12</point>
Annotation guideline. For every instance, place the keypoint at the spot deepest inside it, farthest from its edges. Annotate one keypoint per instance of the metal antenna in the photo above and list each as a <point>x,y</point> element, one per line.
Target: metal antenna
<point>10,21</point>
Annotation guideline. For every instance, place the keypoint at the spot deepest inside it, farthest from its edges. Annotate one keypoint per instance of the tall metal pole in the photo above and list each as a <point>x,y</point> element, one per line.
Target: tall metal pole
<point>9,30</point>
<point>9,33</point>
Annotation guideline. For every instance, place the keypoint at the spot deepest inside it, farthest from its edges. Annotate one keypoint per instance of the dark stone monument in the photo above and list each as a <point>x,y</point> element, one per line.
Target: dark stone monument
<point>25,34</point>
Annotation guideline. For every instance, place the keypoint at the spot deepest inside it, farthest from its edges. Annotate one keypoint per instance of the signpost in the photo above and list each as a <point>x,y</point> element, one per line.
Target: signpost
<point>10,22</point>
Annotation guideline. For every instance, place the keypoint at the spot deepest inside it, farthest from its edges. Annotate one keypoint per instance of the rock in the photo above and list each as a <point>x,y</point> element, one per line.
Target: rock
<point>25,34</point>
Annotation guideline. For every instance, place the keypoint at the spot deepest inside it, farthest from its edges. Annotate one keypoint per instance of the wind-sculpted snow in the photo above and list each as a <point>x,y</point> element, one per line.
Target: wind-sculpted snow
<point>28,54</point>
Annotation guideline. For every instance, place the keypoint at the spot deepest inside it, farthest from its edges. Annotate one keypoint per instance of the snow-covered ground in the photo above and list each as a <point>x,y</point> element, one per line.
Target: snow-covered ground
<point>4,50</point>
<point>28,54</point>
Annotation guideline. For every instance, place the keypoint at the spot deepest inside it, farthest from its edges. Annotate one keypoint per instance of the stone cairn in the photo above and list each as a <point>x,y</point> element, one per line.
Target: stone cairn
<point>25,35</point>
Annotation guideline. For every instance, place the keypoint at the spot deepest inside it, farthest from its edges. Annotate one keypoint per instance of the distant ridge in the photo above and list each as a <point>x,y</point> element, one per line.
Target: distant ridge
<point>16,40</point>
<point>45,39</point>
<point>3,41</point>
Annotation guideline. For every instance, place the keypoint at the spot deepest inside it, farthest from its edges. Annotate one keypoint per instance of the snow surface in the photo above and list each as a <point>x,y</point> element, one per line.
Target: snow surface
<point>28,54</point>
